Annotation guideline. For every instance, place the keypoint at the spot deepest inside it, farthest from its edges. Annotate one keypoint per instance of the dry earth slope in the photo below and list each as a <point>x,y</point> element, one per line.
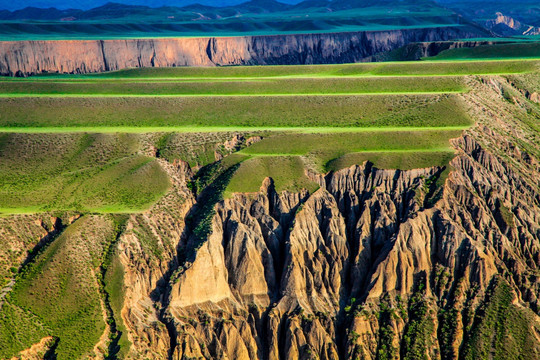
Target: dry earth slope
<point>375,264</point>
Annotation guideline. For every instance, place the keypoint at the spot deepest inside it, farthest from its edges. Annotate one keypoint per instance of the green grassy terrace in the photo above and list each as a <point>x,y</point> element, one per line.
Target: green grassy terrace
<point>81,142</point>
<point>413,68</point>
<point>247,87</point>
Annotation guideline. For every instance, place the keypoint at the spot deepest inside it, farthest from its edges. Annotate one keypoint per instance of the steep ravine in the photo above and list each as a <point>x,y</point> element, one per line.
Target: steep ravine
<point>21,58</point>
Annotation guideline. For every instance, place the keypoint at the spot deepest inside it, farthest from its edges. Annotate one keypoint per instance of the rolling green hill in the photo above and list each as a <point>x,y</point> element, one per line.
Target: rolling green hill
<point>524,50</point>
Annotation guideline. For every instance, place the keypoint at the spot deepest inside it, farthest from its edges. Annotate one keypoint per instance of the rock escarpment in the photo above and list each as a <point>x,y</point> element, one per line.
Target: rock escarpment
<point>419,50</point>
<point>366,267</point>
<point>21,58</point>
<point>506,25</point>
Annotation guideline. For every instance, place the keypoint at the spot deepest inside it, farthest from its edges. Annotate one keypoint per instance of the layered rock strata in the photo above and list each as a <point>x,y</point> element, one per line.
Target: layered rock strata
<point>22,58</point>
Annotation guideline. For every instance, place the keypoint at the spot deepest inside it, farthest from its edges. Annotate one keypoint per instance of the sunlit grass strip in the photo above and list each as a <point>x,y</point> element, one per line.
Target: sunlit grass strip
<point>30,95</point>
<point>282,86</point>
<point>398,69</point>
<point>208,129</point>
<point>384,110</point>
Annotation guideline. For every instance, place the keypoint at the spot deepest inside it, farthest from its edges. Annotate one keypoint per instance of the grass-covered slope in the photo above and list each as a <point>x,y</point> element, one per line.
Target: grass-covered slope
<point>319,117</point>
<point>58,294</point>
<point>502,329</point>
<point>413,68</point>
<point>300,111</point>
<point>74,287</point>
<point>263,86</point>
<point>80,172</point>
<point>287,171</point>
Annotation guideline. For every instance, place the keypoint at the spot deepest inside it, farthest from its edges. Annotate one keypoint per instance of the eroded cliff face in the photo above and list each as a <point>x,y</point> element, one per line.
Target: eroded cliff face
<point>506,25</point>
<point>419,50</point>
<point>366,267</point>
<point>21,58</point>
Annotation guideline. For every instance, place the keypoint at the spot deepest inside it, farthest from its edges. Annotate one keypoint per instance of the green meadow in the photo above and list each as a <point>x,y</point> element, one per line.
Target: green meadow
<point>93,143</point>
<point>412,68</point>
<point>268,86</point>
<point>299,111</point>
<point>80,172</point>
<point>519,50</point>
<point>57,294</point>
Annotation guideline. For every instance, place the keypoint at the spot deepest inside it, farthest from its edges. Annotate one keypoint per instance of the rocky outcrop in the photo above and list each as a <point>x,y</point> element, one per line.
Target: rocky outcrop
<point>146,251</point>
<point>37,351</point>
<point>22,58</point>
<point>325,275</point>
<point>506,25</point>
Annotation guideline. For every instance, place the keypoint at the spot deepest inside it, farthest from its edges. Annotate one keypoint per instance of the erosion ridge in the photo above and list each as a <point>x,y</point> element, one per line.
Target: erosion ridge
<point>360,269</point>
<point>22,58</point>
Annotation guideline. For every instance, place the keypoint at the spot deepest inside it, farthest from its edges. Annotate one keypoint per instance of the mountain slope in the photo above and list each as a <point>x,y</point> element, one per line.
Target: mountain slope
<point>502,17</point>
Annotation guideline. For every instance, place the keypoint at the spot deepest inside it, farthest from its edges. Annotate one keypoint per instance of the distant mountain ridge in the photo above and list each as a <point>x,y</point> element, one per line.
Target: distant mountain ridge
<point>252,18</point>
<point>117,9</point>
<point>91,4</point>
<point>526,12</point>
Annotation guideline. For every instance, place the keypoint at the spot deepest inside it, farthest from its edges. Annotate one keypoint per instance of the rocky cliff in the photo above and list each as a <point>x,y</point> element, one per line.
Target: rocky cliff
<point>507,26</point>
<point>23,58</point>
<point>417,51</point>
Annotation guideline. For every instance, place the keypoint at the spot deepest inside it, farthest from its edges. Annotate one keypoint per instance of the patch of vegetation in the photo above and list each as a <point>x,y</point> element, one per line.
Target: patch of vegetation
<point>198,149</point>
<point>520,50</point>
<point>527,83</point>
<point>234,111</point>
<point>149,241</point>
<point>447,331</point>
<point>402,160</point>
<point>61,292</point>
<point>114,286</point>
<point>385,348</point>
<point>389,148</point>
<point>220,87</point>
<point>504,215</point>
<point>82,172</point>
<point>417,339</point>
<point>410,68</point>
<point>501,330</point>
<point>288,173</point>
<point>212,182</point>
<point>19,329</point>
